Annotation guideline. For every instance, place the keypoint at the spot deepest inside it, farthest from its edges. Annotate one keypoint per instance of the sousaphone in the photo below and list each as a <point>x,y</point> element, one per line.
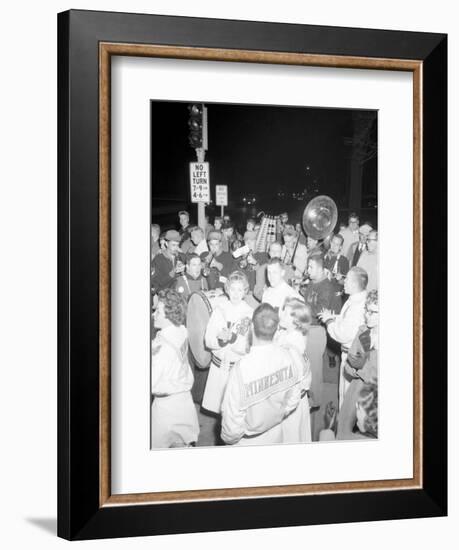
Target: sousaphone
<point>320,217</point>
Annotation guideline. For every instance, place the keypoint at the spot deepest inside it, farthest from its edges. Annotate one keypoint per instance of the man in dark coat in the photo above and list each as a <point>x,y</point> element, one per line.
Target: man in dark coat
<point>218,263</point>
<point>335,262</point>
<point>320,293</point>
<point>185,226</point>
<point>168,263</point>
<point>357,248</point>
<point>192,280</point>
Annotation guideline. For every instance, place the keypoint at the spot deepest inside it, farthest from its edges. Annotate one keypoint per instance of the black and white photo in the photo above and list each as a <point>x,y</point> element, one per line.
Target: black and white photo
<point>264,274</point>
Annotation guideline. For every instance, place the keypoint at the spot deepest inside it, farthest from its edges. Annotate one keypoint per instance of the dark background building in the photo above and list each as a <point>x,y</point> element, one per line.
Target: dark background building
<point>272,159</point>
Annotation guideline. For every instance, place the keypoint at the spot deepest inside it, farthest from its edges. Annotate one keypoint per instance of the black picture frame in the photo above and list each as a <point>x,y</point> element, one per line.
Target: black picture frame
<point>80,515</point>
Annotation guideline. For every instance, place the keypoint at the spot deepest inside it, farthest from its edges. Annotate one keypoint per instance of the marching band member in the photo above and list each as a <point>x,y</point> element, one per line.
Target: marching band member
<point>302,239</point>
<point>278,290</point>
<point>174,421</point>
<point>192,280</point>
<point>320,292</point>
<point>293,252</point>
<point>335,262</point>
<point>294,323</point>
<point>227,337</point>
<point>313,246</point>
<point>244,260</point>
<point>263,387</point>
<point>217,263</point>
<point>282,221</point>
<point>218,224</point>
<point>250,225</point>
<point>167,264</point>
<point>229,236</point>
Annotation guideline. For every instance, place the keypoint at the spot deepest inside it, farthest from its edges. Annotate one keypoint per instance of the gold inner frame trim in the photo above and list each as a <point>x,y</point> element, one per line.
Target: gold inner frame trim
<point>108,49</point>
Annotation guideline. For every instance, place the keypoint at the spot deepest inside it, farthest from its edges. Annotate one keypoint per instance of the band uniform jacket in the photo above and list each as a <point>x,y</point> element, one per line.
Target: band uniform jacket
<point>163,266</point>
<point>224,355</point>
<point>185,233</point>
<point>174,421</point>
<point>321,295</point>
<point>155,248</point>
<point>263,389</point>
<point>185,285</point>
<point>216,278</point>
<point>336,264</point>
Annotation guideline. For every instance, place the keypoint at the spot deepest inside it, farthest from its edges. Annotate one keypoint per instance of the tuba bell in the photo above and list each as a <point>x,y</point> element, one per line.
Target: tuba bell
<point>320,217</point>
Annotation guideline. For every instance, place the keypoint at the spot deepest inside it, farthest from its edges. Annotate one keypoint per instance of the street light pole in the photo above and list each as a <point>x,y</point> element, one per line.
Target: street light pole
<point>198,140</point>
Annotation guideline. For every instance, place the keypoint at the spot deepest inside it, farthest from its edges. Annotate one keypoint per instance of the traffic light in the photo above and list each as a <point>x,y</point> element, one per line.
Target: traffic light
<point>195,124</point>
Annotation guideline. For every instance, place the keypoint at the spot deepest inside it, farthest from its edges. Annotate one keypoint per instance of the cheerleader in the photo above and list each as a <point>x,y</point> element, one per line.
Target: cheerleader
<point>227,337</point>
<point>295,320</point>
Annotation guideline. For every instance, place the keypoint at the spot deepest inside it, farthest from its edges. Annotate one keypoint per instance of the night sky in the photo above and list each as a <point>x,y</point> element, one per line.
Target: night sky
<point>261,150</point>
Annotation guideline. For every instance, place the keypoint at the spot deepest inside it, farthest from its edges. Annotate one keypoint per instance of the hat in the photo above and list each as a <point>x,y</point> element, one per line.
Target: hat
<point>290,230</point>
<point>214,236</point>
<point>250,235</point>
<point>365,229</point>
<point>172,235</point>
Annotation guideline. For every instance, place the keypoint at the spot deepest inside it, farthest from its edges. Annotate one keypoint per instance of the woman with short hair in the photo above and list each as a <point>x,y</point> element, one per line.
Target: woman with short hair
<point>174,421</point>
<point>227,336</point>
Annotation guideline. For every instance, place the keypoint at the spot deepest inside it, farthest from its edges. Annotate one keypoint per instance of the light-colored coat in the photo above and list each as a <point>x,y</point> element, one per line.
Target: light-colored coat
<point>174,421</point>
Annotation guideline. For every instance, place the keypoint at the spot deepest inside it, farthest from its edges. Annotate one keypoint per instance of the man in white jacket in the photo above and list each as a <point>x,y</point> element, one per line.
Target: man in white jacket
<point>263,388</point>
<point>344,327</point>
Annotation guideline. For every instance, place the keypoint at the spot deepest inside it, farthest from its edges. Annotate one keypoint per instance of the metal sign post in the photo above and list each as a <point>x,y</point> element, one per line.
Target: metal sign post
<point>200,188</point>
<point>221,197</point>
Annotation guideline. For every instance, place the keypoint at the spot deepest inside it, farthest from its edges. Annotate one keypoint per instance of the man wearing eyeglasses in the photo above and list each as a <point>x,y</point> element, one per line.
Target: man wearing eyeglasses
<point>350,233</point>
<point>361,365</point>
<point>369,260</point>
<point>357,248</point>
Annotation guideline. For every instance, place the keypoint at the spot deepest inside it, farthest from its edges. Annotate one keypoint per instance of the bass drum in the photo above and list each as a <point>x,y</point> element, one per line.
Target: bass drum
<point>200,307</point>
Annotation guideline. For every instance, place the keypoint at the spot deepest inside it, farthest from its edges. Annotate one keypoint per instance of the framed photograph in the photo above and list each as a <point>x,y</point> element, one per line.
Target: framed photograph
<point>252,275</point>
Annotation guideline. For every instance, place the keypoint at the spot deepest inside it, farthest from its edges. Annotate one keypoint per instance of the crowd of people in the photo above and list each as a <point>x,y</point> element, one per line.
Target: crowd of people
<point>276,316</point>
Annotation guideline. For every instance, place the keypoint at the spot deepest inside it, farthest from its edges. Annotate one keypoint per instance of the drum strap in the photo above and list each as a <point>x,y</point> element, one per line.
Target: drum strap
<point>185,278</point>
